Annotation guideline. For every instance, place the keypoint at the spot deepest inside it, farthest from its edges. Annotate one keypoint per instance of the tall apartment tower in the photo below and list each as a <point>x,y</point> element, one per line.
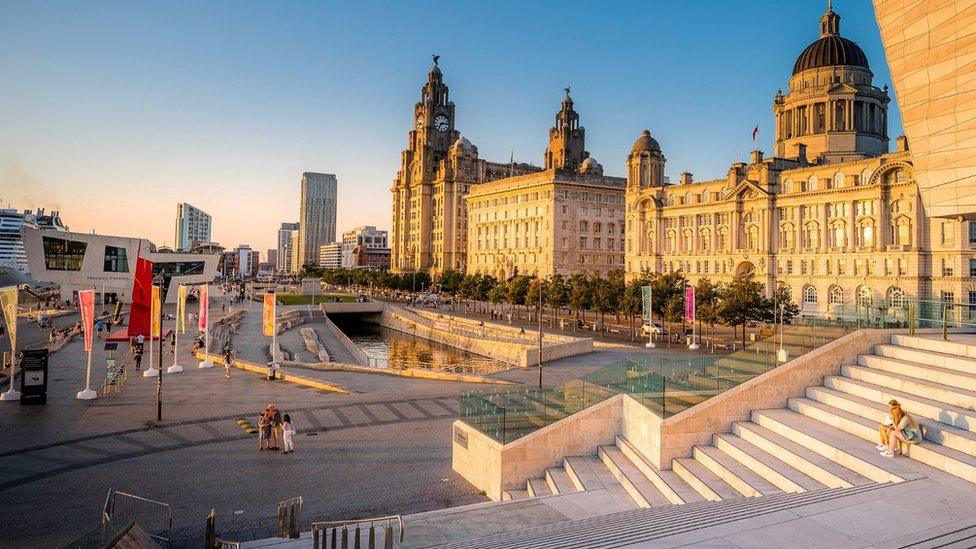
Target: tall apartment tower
<point>317,216</point>
<point>192,227</point>
<point>285,252</point>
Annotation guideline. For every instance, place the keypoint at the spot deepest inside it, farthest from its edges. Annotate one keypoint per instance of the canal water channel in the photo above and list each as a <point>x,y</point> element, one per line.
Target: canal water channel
<point>395,349</point>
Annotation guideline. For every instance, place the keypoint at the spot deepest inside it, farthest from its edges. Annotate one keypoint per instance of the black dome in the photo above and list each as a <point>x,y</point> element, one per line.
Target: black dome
<point>830,51</point>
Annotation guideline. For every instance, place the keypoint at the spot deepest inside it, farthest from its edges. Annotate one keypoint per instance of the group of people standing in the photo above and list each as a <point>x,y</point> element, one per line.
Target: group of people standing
<point>274,428</point>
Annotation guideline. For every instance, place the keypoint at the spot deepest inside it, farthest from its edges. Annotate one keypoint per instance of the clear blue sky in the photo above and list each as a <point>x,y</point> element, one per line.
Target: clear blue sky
<point>116,111</point>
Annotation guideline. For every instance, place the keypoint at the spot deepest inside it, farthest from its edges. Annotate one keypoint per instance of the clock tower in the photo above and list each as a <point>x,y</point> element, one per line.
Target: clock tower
<point>428,143</point>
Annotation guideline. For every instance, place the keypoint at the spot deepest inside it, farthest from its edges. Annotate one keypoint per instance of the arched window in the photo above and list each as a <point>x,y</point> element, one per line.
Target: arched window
<point>838,180</point>
<point>901,231</point>
<point>865,233</point>
<point>788,186</point>
<point>688,243</point>
<point>670,201</point>
<point>810,295</point>
<point>896,297</point>
<point>705,196</point>
<point>705,236</point>
<point>811,235</point>
<point>752,238</point>
<point>787,235</point>
<point>835,295</point>
<point>670,241</point>
<point>865,177</point>
<point>839,235</point>
<point>687,199</point>
<point>864,296</point>
<point>812,183</point>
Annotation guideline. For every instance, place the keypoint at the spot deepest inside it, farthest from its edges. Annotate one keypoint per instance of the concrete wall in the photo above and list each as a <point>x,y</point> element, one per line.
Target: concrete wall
<point>500,342</point>
<point>352,307</point>
<point>354,351</point>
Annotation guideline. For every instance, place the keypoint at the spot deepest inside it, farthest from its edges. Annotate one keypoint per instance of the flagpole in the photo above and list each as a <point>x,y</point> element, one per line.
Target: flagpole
<point>87,393</point>
<point>204,295</point>
<point>180,320</point>
<point>152,371</point>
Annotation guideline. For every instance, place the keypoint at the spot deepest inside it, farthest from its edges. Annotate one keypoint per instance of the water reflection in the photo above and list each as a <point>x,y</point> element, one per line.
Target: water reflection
<point>393,349</point>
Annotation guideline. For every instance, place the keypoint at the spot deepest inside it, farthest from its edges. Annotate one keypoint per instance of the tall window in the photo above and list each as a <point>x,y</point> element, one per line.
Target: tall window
<point>972,233</point>
<point>810,295</point>
<point>63,255</point>
<point>115,260</point>
<point>835,295</point>
<point>896,297</point>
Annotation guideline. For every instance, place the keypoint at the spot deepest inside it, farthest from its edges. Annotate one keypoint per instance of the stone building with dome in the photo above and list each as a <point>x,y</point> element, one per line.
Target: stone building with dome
<point>565,219</point>
<point>438,169</point>
<point>833,215</point>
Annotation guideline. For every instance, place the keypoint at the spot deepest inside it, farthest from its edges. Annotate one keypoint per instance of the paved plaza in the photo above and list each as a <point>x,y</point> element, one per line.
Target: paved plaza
<point>386,449</point>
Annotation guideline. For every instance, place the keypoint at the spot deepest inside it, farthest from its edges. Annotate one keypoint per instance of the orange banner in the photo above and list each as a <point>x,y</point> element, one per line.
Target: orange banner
<point>269,314</point>
<point>86,305</point>
<point>156,308</point>
<point>203,320</point>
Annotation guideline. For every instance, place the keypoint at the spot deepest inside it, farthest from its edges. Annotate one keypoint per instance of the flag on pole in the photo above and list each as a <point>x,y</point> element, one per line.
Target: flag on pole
<point>690,304</point>
<point>755,132</point>
<point>204,308</point>
<point>141,296</point>
<point>646,302</point>
<point>86,303</point>
<point>156,310</point>
<point>181,309</point>
<point>269,314</point>
<point>8,302</point>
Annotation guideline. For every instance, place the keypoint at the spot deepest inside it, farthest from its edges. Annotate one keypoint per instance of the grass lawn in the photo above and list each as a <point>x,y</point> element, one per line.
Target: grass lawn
<point>296,299</point>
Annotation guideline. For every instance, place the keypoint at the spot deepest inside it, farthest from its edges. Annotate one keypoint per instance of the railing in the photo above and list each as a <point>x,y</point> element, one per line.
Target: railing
<point>666,385</point>
<point>155,517</point>
<point>465,329</point>
<point>335,534</point>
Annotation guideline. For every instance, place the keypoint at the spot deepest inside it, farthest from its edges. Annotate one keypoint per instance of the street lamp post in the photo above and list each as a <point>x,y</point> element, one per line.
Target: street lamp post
<point>541,288</point>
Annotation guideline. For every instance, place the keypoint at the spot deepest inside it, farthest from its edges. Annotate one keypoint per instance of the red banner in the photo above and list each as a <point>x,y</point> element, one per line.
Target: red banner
<point>86,304</point>
<point>690,304</point>
<point>141,299</point>
<point>204,307</point>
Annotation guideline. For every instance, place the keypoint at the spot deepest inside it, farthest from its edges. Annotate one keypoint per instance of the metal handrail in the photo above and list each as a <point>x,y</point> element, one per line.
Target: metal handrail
<point>334,525</point>
<point>109,509</point>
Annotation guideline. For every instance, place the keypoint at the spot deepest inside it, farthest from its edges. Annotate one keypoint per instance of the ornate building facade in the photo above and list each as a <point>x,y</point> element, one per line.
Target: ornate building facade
<point>437,170</point>
<point>833,216</point>
<point>566,219</point>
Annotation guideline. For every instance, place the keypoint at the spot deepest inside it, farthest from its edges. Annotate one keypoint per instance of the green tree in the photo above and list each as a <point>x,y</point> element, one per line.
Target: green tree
<point>742,302</point>
<point>631,303</point>
<point>782,297</point>
<point>580,296</point>
<point>450,281</point>
<point>557,292</point>
<point>518,288</point>
<point>707,299</point>
<point>537,289</point>
<point>498,292</point>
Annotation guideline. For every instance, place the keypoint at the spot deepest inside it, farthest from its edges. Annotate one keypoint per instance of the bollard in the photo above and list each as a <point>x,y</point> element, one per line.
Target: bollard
<point>293,528</point>
<point>210,538</point>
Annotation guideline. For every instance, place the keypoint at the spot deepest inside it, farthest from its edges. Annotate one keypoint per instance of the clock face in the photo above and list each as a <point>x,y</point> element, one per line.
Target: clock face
<point>440,123</point>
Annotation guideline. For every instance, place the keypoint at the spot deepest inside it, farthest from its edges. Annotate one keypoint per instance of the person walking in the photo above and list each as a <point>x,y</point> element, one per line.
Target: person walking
<point>276,428</point>
<point>289,434</point>
<point>264,431</point>
<point>137,356</point>
<point>228,358</point>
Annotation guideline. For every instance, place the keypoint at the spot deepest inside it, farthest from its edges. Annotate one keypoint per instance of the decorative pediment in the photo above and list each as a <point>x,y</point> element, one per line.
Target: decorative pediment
<point>842,87</point>
<point>747,190</point>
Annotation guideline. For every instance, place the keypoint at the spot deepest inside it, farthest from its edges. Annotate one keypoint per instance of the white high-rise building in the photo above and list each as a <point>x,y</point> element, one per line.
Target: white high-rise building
<point>284,263</point>
<point>330,255</point>
<point>367,236</point>
<point>193,227</point>
<point>318,215</point>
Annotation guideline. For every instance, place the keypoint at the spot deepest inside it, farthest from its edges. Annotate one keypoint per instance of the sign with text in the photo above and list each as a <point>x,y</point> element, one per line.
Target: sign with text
<point>33,380</point>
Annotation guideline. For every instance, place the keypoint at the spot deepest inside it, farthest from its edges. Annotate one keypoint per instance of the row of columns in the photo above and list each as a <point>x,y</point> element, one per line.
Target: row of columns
<point>801,119</point>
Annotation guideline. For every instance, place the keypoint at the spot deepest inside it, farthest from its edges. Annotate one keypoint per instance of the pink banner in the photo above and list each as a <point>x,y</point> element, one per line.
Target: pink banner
<point>204,307</point>
<point>86,303</point>
<point>689,304</point>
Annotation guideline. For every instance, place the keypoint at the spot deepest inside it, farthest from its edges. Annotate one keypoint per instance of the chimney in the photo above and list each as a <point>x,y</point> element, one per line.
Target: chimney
<point>756,157</point>
<point>685,178</point>
<point>901,143</point>
<point>801,153</point>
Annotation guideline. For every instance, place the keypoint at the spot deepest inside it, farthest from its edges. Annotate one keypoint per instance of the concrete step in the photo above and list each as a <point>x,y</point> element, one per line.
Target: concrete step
<point>640,488</point>
<point>814,465</point>
<point>774,470</point>
<point>920,406</point>
<point>920,371</point>
<point>876,413</point>
<point>935,344</point>
<point>559,482</point>
<point>932,358</point>
<point>702,480</point>
<point>838,446</point>
<point>510,495</point>
<point>589,473</point>
<point>934,455</point>
<point>668,483</point>
<point>737,475</point>
<point>913,385</point>
<point>537,487</point>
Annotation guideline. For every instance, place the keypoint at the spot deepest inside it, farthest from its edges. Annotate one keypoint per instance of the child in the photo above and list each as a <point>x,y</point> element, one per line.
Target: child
<point>289,433</point>
<point>264,430</point>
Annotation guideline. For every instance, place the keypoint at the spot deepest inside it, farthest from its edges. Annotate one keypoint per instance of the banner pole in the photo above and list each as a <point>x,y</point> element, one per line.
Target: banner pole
<point>204,297</point>
<point>87,306</point>
<point>10,297</point>
<point>180,322</point>
<point>154,316</point>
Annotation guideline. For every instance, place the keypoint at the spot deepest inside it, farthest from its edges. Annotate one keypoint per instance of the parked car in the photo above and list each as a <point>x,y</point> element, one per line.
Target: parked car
<point>656,328</point>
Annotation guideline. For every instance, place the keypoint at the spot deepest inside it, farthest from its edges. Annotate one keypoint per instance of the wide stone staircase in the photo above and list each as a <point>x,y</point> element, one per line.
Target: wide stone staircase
<point>825,439</point>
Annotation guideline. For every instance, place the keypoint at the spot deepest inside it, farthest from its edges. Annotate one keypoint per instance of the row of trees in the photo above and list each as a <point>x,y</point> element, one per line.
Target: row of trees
<point>736,303</point>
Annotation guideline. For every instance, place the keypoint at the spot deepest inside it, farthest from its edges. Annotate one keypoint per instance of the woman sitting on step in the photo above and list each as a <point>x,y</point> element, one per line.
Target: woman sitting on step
<point>904,428</point>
